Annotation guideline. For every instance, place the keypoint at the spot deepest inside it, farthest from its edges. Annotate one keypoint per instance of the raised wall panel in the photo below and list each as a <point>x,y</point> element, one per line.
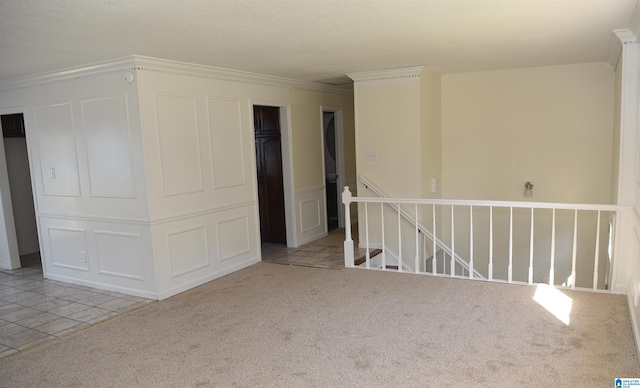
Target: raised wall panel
<point>180,161</point>
<point>119,254</point>
<point>68,248</point>
<point>233,238</point>
<point>311,215</point>
<point>188,251</point>
<point>227,148</point>
<point>57,149</point>
<point>106,126</point>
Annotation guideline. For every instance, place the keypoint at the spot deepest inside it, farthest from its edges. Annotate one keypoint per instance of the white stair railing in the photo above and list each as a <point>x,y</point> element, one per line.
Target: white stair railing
<point>563,236</point>
<point>455,258</point>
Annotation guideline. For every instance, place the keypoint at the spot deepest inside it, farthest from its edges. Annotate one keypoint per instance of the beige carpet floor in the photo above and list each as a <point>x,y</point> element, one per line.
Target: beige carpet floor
<point>286,326</point>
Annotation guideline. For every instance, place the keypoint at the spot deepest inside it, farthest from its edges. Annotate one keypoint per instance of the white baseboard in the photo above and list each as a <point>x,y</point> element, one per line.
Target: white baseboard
<point>205,279</point>
<point>310,238</point>
<point>103,286</point>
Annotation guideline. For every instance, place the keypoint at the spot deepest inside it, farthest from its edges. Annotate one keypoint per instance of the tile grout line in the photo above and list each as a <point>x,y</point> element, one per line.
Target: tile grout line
<point>74,331</point>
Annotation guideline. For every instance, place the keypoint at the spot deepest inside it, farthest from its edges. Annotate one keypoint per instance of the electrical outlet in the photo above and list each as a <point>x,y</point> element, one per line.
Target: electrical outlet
<point>83,257</point>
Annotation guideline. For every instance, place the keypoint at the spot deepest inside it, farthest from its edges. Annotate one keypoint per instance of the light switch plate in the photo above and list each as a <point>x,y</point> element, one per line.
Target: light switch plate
<point>371,155</point>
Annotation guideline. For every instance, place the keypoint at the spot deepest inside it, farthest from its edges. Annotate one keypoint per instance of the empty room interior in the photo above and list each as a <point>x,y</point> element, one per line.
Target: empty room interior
<point>319,193</point>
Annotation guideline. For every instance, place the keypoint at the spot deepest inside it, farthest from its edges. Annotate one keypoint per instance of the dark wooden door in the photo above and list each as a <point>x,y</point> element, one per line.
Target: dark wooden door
<point>269,169</point>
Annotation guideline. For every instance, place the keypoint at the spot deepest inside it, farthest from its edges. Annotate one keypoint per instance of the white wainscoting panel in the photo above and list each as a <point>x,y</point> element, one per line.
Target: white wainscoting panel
<point>233,238</point>
<point>310,215</point>
<point>57,149</point>
<point>68,248</point>
<point>311,212</point>
<point>227,148</point>
<point>119,254</point>
<point>106,127</point>
<point>188,250</point>
<point>179,141</point>
<point>191,251</point>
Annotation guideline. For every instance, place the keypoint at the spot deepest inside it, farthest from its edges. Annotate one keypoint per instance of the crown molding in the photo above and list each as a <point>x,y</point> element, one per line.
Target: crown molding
<point>619,38</point>
<point>71,73</point>
<point>202,71</point>
<point>142,63</point>
<point>403,72</point>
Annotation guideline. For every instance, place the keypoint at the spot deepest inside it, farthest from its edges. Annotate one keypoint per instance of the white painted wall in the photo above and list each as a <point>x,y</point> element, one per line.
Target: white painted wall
<point>551,126</point>
<point>144,170</point>
<point>85,153</point>
<point>388,124</point>
<point>548,125</point>
<point>487,134</point>
<point>626,275</point>
<point>201,181</point>
<point>431,137</point>
<point>308,156</point>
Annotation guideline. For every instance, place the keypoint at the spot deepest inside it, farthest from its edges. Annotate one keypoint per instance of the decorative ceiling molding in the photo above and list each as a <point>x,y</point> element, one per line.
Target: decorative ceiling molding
<point>619,38</point>
<point>202,71</point>
<point>141,63</point>
<point>71,73</point>
<point>625,36</point>
<point>404,72</point>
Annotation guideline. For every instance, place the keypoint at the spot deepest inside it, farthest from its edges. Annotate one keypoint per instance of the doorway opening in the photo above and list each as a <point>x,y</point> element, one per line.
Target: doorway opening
<point>21,224</point>
<point>330,170</point>
<point>269,168</point>
<point>333,166</point>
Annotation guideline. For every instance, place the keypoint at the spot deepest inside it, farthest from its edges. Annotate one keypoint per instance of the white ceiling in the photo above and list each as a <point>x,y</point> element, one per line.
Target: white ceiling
<point>310,40</point>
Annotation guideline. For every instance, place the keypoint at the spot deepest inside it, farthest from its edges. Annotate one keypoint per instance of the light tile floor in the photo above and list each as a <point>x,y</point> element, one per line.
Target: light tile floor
<point>327,252</point>
<point>34,310</point>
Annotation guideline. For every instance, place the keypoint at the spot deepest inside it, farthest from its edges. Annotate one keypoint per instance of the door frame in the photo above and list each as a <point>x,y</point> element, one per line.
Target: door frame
<point>287,165</point>
<point>338,114</point>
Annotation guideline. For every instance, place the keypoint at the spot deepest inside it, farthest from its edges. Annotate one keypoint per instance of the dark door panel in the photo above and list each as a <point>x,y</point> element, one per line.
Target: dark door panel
<point>269,171</point>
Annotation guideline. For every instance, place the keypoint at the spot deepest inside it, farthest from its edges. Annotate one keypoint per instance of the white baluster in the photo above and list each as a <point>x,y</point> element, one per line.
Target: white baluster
<point>575,248</point>
<point>553,248</point>
<point>531,251</point>
<point>453,245</point>
<point>434,264</point>
<point>424,251</point>
<point>597,254</point>
<point>384,255</point>
<point>490,243</point>
<point>417,263</point>
<point>366,233</point>
<point>399,242</point>
<point>510,268</point>
<point>348,242</point>
<point>470,242</point>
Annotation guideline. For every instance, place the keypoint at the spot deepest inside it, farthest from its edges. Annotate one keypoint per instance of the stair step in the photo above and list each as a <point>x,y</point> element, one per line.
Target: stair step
<point>363,257</point>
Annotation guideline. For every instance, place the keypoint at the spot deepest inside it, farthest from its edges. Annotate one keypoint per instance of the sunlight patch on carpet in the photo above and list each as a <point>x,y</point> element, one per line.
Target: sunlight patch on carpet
<point>554,301</point>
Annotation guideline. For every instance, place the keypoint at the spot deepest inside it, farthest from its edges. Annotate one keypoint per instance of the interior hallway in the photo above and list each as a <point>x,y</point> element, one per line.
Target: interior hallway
<point>327,252</point>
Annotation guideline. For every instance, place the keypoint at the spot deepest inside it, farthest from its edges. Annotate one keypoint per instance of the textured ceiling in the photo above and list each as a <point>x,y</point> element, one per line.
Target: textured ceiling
<point>309,39</point>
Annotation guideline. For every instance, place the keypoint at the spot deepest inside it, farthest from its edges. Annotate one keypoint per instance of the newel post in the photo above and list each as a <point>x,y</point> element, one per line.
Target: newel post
<point>348,242</point>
